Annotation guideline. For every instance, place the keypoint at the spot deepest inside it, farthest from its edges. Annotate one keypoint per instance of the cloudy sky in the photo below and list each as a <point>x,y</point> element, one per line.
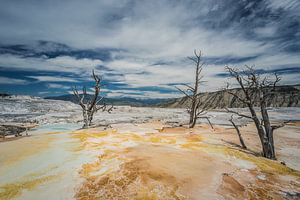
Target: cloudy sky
<point>140,47</point>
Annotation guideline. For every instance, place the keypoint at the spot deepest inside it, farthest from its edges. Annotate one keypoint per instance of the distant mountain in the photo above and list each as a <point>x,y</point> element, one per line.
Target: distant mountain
<point>283,96</point>
<point>3,95</point>
<point>116,101</point>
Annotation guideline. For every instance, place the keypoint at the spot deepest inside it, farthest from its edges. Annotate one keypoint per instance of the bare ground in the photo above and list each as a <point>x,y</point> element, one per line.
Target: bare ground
<point>150,161</point>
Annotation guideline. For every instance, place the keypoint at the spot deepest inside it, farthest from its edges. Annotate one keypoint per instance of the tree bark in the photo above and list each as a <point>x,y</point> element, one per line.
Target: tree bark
<point>268,147</point>
<point>239,134</point>
<point>193,115</point>
<point>86,123</point>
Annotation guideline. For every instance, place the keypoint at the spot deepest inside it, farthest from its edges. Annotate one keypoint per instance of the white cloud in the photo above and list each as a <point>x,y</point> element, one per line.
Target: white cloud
<point>6,80</point>
<point>147,31</point>
<point>53,79</point>
<point>58,86</point>
<point>142,94</point>
<point>58,64</point>
<point>267,31</point>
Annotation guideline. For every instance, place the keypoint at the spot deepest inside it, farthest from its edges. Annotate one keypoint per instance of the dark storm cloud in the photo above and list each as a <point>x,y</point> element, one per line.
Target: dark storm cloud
<point>52,50</point>
<point>257,20</point>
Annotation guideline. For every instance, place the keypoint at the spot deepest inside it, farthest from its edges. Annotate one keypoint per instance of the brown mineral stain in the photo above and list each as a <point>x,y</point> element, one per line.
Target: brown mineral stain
<point>231,188</point>
<point>153,172</point>
<point>134,180</point>
<point>174,130</point>
<point>182,164</point>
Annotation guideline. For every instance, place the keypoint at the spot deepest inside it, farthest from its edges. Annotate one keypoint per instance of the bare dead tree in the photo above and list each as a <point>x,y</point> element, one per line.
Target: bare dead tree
<point>197,108</point>
<point>238,132</point>
<point>90,105</point>
<point>254,84</point>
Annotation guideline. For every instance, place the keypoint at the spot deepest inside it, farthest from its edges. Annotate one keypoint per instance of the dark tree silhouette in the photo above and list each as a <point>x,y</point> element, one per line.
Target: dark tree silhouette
<point>253,83</point>
<point>196,108</point>
<point>90,104</point>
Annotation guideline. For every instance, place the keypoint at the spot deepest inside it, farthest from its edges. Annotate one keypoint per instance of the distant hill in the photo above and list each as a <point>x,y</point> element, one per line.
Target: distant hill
<point>4,95</point>
<point>284,96</point>
<point>117,101</point>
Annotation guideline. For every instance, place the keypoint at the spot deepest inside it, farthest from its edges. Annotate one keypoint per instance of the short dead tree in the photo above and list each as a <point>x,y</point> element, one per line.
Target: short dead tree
<point>255,89</point>
<point>90,103</point>
<point>243,145</point>
<point>196,108</point>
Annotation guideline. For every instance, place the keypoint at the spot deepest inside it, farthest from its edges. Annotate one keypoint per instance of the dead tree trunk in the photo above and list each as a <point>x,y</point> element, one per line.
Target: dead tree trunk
<point>197,108</point>
<point>253,84</point>
<point>238,133</point>
<point>90,105</point>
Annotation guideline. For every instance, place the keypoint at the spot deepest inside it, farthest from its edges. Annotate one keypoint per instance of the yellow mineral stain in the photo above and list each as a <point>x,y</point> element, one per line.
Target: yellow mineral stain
<point>174,130</point>
<point>160,139</point>
<point>265,165</point>
<point>144,194</point>
<point>88,168</point>
<point>134,137</point>
<point>194,138</point>
<point>86,134</point>
<point>12,190</point>
<point>194,146</point>
<point>155,139</point>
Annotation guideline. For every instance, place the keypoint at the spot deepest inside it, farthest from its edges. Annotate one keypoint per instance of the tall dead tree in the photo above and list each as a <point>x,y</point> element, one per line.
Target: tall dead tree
<point>253,85</point>
<point>196,108</point>
<point>90,103</point>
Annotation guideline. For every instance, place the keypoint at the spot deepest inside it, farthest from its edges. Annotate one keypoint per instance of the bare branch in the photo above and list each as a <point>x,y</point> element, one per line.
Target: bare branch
<point>238,132</point>
<point>193,93</point>
<point>99,100</point>
<point>189,87</point>
<point>193,59</point>
<point>89,107</point>
<point>243,100</point>
<point>277,79</point>
<point>239,114</point>
<point>254,85</point>
<point>110,109</point>
<point>183,92</point>
<point>209,122</point>
<point>274,127</point>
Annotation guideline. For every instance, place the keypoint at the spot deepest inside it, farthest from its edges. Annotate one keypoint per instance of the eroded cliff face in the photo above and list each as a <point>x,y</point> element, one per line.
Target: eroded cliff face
<point>283,96</point>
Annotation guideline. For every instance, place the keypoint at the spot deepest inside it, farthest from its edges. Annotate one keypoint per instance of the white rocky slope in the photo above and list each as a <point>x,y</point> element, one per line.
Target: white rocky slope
<point>45,111</point>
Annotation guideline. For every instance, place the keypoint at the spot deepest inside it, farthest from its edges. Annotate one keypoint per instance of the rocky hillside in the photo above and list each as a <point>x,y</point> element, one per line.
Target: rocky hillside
<point>284,96</point>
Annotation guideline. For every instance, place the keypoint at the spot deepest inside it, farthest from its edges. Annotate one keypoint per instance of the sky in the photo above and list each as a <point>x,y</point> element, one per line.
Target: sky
<point>140,48</point>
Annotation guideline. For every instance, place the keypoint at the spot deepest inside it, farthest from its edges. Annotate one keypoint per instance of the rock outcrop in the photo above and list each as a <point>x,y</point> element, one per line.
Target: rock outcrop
<point>283,96</point>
